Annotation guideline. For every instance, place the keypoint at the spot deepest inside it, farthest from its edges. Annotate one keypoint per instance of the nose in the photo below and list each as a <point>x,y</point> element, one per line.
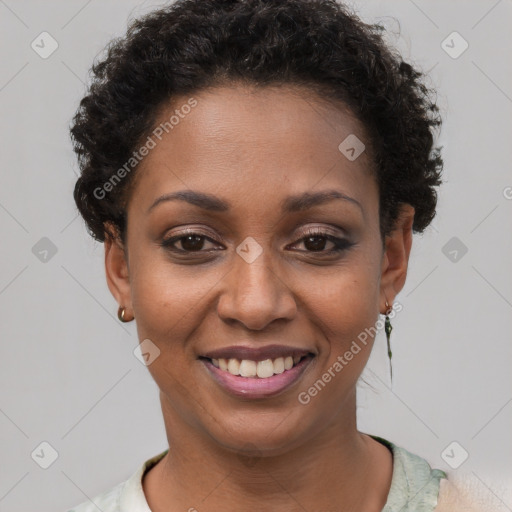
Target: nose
<point>255,295</point>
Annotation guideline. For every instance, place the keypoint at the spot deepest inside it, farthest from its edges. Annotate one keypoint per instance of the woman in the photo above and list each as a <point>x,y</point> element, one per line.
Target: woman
<point>256,170</point>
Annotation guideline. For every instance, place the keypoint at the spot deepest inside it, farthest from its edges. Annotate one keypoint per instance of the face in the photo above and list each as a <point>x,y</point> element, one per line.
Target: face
<point>282,249</point>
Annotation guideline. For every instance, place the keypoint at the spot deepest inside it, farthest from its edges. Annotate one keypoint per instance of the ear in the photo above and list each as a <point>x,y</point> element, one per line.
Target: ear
<point>396,256</point>
<point>117,270</point>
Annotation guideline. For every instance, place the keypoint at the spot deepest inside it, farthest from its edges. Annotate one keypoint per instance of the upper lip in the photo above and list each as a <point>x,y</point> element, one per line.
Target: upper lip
<point>256,354</point>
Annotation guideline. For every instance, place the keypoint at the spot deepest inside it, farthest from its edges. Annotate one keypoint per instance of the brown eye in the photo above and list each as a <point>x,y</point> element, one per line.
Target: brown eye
<point>190,242</point>
<point>316,241</point>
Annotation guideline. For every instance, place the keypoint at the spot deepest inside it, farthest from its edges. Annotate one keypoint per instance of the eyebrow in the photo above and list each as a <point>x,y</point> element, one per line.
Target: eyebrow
<point>291,204</point>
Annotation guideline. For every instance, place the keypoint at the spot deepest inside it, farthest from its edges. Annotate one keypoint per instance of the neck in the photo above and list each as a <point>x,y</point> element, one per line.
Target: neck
<point>339,469</point>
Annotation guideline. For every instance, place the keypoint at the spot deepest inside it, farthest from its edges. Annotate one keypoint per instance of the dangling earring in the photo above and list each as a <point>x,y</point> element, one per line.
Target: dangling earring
<point>121,315</point>
<point>388,328</point>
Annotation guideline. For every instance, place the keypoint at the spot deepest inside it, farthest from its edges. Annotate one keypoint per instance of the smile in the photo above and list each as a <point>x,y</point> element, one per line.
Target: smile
<point>257,379</point>
<point>256,369</point>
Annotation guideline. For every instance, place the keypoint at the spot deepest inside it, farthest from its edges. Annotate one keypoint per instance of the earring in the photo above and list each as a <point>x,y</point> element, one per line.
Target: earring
<point>388,328</point>
<point>120,314</point>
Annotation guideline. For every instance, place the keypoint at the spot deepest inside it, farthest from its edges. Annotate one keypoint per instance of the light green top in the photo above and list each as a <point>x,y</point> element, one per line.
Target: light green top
<point>414,486</point>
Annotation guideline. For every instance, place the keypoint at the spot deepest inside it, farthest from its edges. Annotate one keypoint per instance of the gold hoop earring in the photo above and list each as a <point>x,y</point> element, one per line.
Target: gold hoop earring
<point>121,315</point>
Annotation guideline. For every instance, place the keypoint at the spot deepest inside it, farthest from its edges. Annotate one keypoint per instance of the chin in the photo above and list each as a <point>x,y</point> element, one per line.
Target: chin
<point>260,434</point>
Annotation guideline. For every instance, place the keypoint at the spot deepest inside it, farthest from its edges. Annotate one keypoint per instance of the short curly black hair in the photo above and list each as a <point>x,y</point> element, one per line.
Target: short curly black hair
<point>191,45</point>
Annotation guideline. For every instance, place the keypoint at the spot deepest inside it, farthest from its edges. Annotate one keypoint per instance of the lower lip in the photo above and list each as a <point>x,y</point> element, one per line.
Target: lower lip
<point>254,387</point>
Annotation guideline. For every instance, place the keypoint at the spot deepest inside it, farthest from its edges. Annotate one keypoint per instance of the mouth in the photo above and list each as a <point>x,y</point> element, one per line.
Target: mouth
<point>258,376</point>
<point>251,369</point>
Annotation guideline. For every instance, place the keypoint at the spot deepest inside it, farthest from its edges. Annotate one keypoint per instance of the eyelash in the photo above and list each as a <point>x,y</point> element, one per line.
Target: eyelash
<point>340,244</point>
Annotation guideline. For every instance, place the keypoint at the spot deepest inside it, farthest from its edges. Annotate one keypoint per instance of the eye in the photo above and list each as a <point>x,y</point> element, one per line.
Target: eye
<point>316,240</point>
<point>190,242</point>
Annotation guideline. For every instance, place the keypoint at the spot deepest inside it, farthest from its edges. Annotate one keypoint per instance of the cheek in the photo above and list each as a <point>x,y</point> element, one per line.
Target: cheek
<point>345,302</point>
<point>347,315</point>
<point>169,300</point>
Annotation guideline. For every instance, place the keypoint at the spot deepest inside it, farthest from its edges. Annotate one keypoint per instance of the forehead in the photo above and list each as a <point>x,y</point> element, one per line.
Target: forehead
<point>242,141</point>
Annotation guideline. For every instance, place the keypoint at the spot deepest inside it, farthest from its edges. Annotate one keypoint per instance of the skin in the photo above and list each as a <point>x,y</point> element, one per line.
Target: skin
<point>254,148</point>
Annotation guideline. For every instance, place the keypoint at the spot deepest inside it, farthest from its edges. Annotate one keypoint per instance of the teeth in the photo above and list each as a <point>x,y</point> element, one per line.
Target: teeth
<point>265,369</point>
<point>247,368</point>
<point>279,365</point>
<point>234,367</point>
<point>260,369</point>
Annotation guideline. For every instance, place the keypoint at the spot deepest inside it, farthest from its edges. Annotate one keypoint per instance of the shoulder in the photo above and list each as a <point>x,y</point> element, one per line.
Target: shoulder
<point>459,493</point>
<point>107,501</point>
<point>414,484</point>
<point>128,496</point>
<point>417,487</point>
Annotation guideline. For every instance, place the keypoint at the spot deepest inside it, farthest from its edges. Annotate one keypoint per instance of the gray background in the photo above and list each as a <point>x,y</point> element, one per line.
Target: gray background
<point>68,375</point>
